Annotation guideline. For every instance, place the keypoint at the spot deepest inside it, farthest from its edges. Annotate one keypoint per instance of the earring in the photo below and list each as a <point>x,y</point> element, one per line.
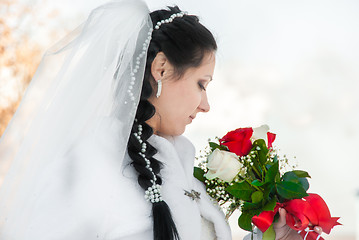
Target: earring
<point>159,88</point>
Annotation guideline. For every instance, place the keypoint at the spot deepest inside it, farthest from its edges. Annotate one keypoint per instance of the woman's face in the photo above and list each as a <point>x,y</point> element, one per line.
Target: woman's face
<point>180,99</point>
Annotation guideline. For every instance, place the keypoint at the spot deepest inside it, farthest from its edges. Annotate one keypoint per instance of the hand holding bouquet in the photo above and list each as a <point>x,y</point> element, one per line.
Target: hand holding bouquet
<point>242,171</point>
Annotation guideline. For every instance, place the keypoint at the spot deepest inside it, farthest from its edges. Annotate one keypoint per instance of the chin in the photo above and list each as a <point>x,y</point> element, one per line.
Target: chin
<point>178,131</point>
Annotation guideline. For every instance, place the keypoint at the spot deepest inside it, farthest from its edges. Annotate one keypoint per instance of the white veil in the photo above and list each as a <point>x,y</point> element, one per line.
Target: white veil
<point>88,81</point>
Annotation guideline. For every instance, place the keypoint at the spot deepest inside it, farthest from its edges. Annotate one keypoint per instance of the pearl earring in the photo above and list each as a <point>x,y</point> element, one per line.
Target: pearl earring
<point>159,88</point>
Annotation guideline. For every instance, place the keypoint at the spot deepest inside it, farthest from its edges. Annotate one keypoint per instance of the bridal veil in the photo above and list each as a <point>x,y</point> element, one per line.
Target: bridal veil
<point>87,82</point>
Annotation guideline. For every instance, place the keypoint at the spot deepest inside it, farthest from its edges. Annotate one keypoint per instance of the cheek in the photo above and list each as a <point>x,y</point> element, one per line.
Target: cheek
<point>189,99</point>
<point>178,103</point>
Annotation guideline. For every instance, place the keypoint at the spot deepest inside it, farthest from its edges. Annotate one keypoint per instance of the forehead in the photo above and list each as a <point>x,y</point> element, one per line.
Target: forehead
<point>209,58</point>
<point>206,67</point>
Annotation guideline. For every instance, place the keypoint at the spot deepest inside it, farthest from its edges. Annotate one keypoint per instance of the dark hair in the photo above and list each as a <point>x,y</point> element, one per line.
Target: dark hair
<point>184,42</point>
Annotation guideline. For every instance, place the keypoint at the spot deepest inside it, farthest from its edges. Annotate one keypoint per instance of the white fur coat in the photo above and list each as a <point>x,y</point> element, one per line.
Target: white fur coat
<point>89,195</point>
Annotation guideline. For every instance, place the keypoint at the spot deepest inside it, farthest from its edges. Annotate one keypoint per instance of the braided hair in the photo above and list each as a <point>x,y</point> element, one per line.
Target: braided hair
<point>184,42</point>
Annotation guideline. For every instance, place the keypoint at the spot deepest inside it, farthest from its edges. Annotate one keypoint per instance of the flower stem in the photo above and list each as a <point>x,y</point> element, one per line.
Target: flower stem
<point>253,185</point>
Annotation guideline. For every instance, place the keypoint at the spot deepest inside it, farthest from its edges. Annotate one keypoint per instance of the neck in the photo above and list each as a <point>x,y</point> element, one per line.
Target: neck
<point>154,122</point>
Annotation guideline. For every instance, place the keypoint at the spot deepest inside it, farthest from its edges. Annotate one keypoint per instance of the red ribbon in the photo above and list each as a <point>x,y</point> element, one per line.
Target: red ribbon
<point>300,213</point>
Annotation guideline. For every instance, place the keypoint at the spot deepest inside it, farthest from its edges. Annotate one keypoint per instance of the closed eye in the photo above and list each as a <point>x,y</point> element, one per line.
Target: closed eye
<point>201,86</point>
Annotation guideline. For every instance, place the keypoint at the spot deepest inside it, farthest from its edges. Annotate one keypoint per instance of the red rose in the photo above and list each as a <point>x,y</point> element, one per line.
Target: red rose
<point>310,209</point>
<point>238,141</point>
<point>300,213</point>
<point>271,138</point>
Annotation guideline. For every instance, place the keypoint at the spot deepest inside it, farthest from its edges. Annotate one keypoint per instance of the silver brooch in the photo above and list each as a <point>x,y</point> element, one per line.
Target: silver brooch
<point>193,194</point>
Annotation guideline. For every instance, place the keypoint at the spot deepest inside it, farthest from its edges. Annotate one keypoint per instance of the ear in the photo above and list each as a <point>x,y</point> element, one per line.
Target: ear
<point>159,66</point>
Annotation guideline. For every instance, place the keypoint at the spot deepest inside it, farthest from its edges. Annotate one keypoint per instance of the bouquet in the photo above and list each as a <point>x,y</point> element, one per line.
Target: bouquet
<point>242,171</point>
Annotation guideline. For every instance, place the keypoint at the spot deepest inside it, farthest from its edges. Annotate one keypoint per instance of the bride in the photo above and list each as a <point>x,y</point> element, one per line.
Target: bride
<point>95,146</point>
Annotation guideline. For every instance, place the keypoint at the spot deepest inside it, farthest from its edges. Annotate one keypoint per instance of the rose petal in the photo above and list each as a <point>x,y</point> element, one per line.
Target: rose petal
<point>260,133</point>
<point>239,148</point>
<point>264,219</point>
<point>239,134</point>
<point>271,138</point>
<point>320,208</point>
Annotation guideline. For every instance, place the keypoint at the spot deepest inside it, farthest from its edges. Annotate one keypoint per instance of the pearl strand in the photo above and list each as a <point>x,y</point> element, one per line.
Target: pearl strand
<point>153,193</point>
<point>143,54</point>
<point>135,70</point>
<point>170,19</point>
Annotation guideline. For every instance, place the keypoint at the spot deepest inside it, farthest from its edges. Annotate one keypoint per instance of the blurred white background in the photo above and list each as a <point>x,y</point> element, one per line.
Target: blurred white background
<point>290,64</point>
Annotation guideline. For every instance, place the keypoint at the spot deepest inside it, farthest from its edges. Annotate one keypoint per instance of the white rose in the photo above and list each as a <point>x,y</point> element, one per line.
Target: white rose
<point>224,165</point>
<point>260,133</point>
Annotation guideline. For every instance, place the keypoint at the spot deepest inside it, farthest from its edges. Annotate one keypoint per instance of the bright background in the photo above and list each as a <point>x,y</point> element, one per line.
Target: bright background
<point>290,64</point>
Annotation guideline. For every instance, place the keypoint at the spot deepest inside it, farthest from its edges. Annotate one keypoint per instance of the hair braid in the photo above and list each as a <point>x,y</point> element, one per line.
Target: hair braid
<point>184,42</point>
<point>164,227</point>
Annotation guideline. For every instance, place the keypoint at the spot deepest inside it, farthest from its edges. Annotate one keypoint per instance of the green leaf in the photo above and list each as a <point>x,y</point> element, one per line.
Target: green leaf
<point>257,183</point>
<point>256,168</point>
<point>270,205</point>
<point>199,174</point>
<point>257,197</point>
<point>214,145</point>
<point>269,189</point>
<point>272,173</point>
<point>301,174</point>
<point>269,234</point>
<point>248,206</point>
<point>290,190</point>
<point>293,177</point>
<point>245,221</point>
<point>304,182</point>
<point>241,190</point>
<point>268,165</point>
<point>262,153</point>
<point>252,208</point>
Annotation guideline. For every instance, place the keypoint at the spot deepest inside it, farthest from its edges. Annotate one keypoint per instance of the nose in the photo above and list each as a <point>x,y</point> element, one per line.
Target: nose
<point>204,105</point>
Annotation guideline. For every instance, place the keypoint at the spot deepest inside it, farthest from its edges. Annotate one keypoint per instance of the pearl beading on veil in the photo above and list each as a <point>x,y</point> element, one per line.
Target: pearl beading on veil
<point>135,69</point>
